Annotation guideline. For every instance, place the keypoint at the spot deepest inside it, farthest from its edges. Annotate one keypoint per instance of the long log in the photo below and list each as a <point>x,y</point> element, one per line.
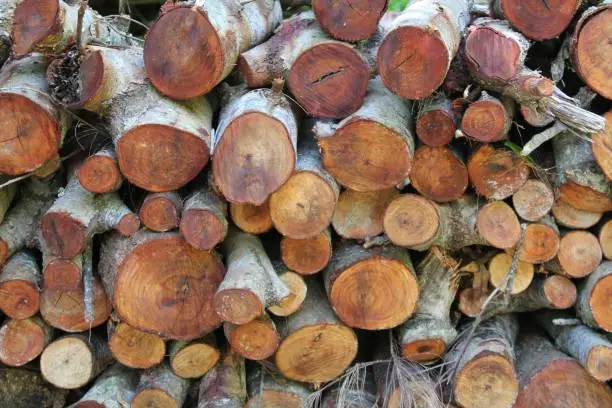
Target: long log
<point>161,212</point>
<point>204,221</point>
<point>533,200</point>
<point>193,359</point>
<point>359,214</point>
<point>439,174</point>
<point>160,387</point>
<point>25,388</point>
<point>571,217</point>
<point>269,389</point>
<point>255,145</point>
<point>488,119</point>
<point>436,121</point>
<point>307,256</point>
<point>21,341</point>
<point>579,255</point>
<point>20,285</point>
<point>159,284</point>
<point>224,386</point>
<point>372,289</point>
<point>371,149</point>
<point>99,173</point>
<point>594,297</point>
<point>134,348</point>
<point>327,77</point>
<point>219,31</point>
<point>115,388</point>
<point>255,340</point>
<point>254,219</point>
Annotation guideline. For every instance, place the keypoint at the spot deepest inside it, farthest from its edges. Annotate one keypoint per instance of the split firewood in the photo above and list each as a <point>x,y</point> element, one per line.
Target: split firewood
<point>132,347</point>
<point>20,285</point>
<point>160,387</point>
<point>605,239</point>
<point>219,31</point>
<point>251,284</point>
<point>315,347</point>
<point>74,360</point>
<point>488,119</point>
<point>549,377</point>
<point>173,283</point>
<point>420,44</point>
<point>307,256</point>
<point>484,368</point>
<point>26,388</point>
<point>592,350</point>
<point>359,214</point>
<point>255,145</point>
<point>21,341</point>
<point>425,337</point>
<point>541,243</point>
<point>327,77</point>
<point>254,219</point>
<point>571,217</point>
<point>161,212</point>
<point>439,174</point>
<point>115,388</point>
<point>303,206</point>
<point>349,21</point>
<point>579,255</point>
<point>99,173</point>
<point>371,149</point>
<point>594,296</point>
<point>499,267</point>
<point>193,358</point>
<point>204,220</point>
<point>436,121</point>
<point>268,388</point>
<point>602,146</point>
<point>371,289</point>
<point>224,386</point>
<point>161,144</point>
<point>533,200</point>
<point>255,340</point>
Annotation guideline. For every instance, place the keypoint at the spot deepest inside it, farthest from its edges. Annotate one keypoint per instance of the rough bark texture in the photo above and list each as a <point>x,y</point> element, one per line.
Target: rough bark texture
<point>25,388</point>
<point>20,284</point>
<point>425,336</point>
<point>439,174</point>
<point>254,219</point>
<point>99,173</point>
<point>21,341</point>
<point>437,121</point>
<point>307,256</point>
<point>134,348</point>
<point>593,304</point>
<point>267,388</point>
<point>255,340</point>
<point>6,198</point>
<point>571,217</point>
<point>219,32</point>
<point>161,212</point>
<point>224,386</point>
<point>348,21</point>
<point>372,289</point>
<point>159,284</point>
<point>115,388</point>
<point>488,119</point>
<point>533,200</point>
<point>371,149</point>
<point>192,359</point>
<point>204,221</point>
<point>160,387</point>
<point>255,145</point>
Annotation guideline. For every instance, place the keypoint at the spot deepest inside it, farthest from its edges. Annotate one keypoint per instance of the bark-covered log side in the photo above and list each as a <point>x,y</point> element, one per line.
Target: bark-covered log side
<point>327,77</point>
<point>593,304</point>
<point>436,121</point>
<point>25,388</point>
<point>20,285</point>
<point>268,388</point>
<point>7,10</point>
<point>579,255</point>
<point>161,212</point>
<point>255,340</point>
<point>439,174</point>
<point>254,219</point>
<point>224,386</point>
<point>307,256</point>
<point>371,149</point>
<point>605,239</point>
<point>571,217</point>
<point>99,173</point>
<point>488,119</point>
<point>602,147</point>
<point>134,348</point>
<point>160,387</point>
<point>114,388</point>
<point>193,359</point>
<point>7,194</point>
<point>204,221</point>
<point>533,200</point>
<point>372,289</point>
<point>219,31</point>
<point>255,145</point>
<point>21,341</point>
<point>349,21</point>
<point>158,283</point>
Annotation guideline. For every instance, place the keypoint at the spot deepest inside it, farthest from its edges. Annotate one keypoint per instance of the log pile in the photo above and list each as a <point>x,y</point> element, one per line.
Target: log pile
<point>318,204</point>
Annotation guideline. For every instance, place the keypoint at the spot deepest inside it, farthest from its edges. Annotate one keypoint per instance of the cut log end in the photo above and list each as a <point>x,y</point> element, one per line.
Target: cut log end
<point>424,351</point>
<point>428,62</point>
<point>471,301</point>
<point>153,397</point>
<point>499,268</point>
<point>160,158</point>
<point>256,340</point>
<point>178,68</point>
<point>68,363</point>
<point>317,353</point>
<point>307,256</point>
<point>159,213</point>
<point>485,121</point>
<point>585,198</point>
<point>496,174</point>
<point>203,229</point>
<point>289,305</point>
<point>411,220</point>
<point>560,292</point>
<point>599,301</point>
<point>605,240</point>
<point>128,225</point>
<point>438,174</point>
<point>65,236</point>
<point>359,215</point>
<point>498,224</point>
<point>253,159</point>
<point>538,21</point>
<point>534,200</point>
<point>579,253</point>
<point>541,244</point>
<point>100,174</point>
<point>602,146</point>
<point>375,294</point>
<point>599,363</point>
<point>329,80</point>
<point>194,360</point>
<point>435,128</point>
<point>63,274</point>
<point>571,217</point>
<point>33,20</point>
<point>19,299</point>
<point>254,219</point>
<point>21,341</point>
<point>478,45</point>
<point>487,381</point>
<point>350,21</point>
<point>238,306</point>
<point>535,117</point>
<point>135,348</point>
<point>30,136</point>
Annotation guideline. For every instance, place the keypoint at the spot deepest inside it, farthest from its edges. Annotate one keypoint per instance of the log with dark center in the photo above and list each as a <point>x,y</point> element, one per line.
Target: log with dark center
<point>437,121</point>
<point>20,285</point>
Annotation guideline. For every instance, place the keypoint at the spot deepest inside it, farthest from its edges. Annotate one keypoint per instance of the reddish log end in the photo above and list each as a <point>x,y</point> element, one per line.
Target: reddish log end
<point>584,198</point>
<point>438,174</point>
<point>251,218</point>
<point>19,299</point>
<point>33,21</point>
<point>202,228</point>
<point>479,43</point>
<point>538,20</point>
<point>498,224</point>
<point>411,220</point>
<point>100,174</point>
<point>135,348</point>
<point>540,244</point>
<point>307,256</point>
<point>485,121</point>
<point>347,20</point>
<point>63,274</point>
<point>238,306</point>
<point>256,340</point>
<point>65,236</point>
<point>160,213</point>
<point>579,254</point>
<point>128,225</point>
<point>21,341</point>
<point>599,302</point>
<point>436,127</point>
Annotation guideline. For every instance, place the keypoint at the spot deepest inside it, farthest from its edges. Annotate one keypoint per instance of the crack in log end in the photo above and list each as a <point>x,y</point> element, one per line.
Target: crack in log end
<point>326,76</point>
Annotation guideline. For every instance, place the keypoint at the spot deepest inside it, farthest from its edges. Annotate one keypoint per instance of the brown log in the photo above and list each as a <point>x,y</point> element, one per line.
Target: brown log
<point>590,56</point>
<point>113,389</point>
<point>499,267</point>
<point>66,274</point>
<point>34,127</point>
<point>270,389</point>
<point>371,149</point>
<point>372,289</point>
<point>161,144</point>
<point>437,121</point>
<point>160,284</point>
<point>315,346</point>
<point>21,341</point>
<point>327,77</point>
<point>255,340</point>
<point>579,255</point>
<point>533,200</point>
<point>134,348</point>
<point>605,239</point>
<point>303,207</point>
<point>65,309</point>
<point>297,287</point>
<point>359,215</point>
<point>204,222</point>
<point>161,212</point>
<point>224,386</point>
<point>594,293</point>
<point>160,387</point>
<point>420,44</point>
<point>592,350</point>
<point>72,361</point>
<point>255,145</point>
<point>307,256</point>
<point>602,147</point>
<point>485,374</point>
<point>251,284</point>
<point>496,174</point>
<point>540,244</point>
<point>193,359</point>
<point>20,284</point>
<point>425,337</point>
<point>99,173</point>
<point>550,378</point>
<point>254,219</point>
<point>25,388</point>
<point>218,31</point>
<point>348,21</point>
<point>571,217</point>
<point>488,119</point>
<point>439,174</point>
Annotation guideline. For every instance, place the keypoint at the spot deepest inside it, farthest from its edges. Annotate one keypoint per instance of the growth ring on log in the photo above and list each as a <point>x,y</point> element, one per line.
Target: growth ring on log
<point>540,244</point>
<point>438,174</point>
<point>560,291</point>
<point>99,174</point>
<point>307,256</point>
<point>599,301</point>
<point>478,46</point>
<point>135,348</point>
<point>255,340</point>
<point>33,20</point>
<point>349,20</point>
<point>21,341</point>
<point>19,299</point>
<point>436,128</point>
<point>537,19</point>
<point>498,224</point>
<point>411,220</point>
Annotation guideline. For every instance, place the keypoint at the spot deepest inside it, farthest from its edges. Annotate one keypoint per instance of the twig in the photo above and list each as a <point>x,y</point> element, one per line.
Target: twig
<point>79,35</point>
